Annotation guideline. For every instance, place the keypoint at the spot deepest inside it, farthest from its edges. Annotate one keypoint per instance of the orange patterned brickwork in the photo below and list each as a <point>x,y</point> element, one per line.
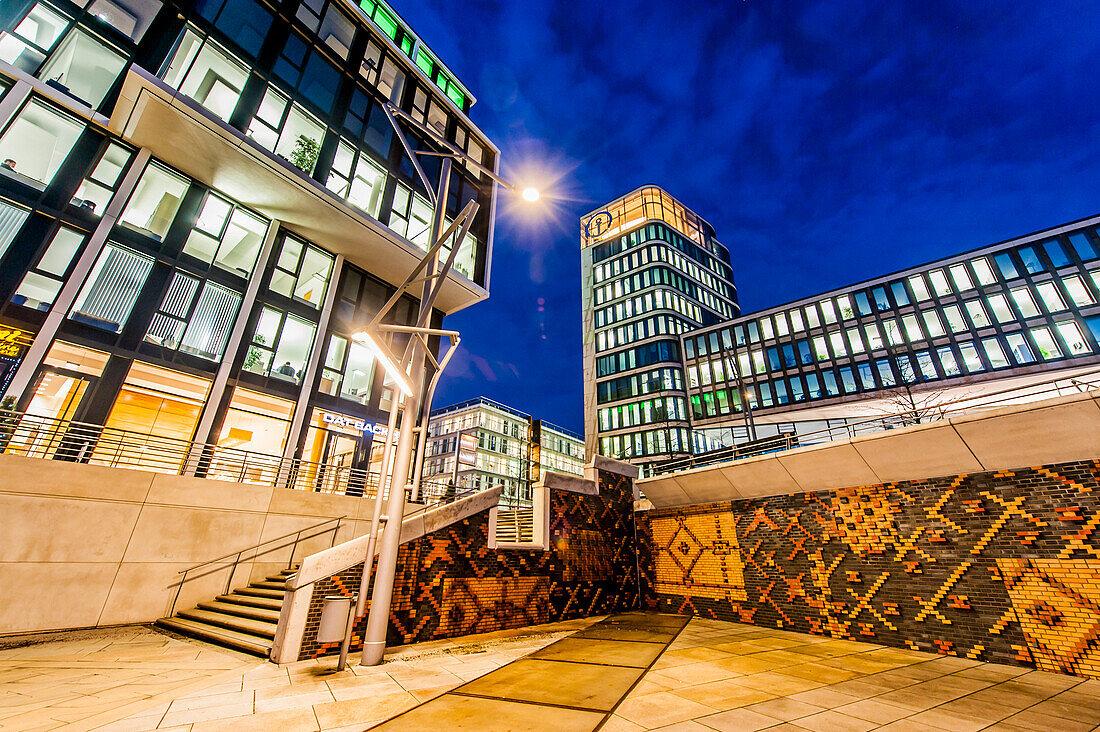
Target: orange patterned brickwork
<point>1000,566</point>
<point>484,604</point>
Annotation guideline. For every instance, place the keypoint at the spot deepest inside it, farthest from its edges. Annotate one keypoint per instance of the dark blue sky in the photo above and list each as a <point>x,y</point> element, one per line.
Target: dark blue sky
<point>826,142</point>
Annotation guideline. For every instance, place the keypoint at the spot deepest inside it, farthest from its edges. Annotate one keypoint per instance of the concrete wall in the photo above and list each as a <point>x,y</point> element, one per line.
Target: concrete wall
<point>1057,430</point>
<point>84,545</point>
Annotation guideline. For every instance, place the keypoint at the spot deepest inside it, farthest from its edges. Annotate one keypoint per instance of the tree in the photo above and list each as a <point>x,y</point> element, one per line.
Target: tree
<point>907,402</point>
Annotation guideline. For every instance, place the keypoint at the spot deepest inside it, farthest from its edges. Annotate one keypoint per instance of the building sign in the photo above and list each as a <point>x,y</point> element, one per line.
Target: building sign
<point>13,344</point>
<point>467,448</point>
<point>351,423</point>
<point>598,224</point>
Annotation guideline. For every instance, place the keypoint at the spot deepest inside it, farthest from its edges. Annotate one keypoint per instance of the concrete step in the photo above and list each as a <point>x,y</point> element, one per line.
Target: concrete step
<point>241,611</point>
<point>219,636</point>
<point>268,603</point>
<point>280,578</point>
<point>261,592</point>
<point>268,585</point>
<point>258,628</point>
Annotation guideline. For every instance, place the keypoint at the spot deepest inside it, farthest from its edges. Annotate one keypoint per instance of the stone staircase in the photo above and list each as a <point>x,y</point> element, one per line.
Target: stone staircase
<point>244,620</point>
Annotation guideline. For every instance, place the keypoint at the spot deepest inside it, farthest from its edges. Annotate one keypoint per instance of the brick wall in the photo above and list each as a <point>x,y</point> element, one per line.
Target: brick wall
<point>998,567</point>
<point>449,583</point>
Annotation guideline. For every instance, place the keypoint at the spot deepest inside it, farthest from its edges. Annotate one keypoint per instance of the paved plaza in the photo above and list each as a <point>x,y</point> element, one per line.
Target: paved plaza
<point>624,673</point>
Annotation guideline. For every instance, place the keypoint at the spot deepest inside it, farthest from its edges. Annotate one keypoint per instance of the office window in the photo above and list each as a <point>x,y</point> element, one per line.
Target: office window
<point>912,329</point>
<point>804,354</point>
<point>199,326</point>
<point>83,67</point>
<point>744,366</point>
<point>765,394</point>
<point>845,305</point>
<point>939,282</point>
<point>971,360</point>
<point>906,370</point>
<point>1048,348</point>
<point>1020,349</point>
<point>27,45</point>
<point>754,332</point>
<point>226,235</point>
<point>280,346</point>
<point>1072,337</point>
<point>863,303</point>
<point>927,366</point>
<point>811,316</point>
<point>961,277</point>
<point>112,288</point>
<point>820,349</point>
<point>780,392</point>
<point>933,323</point>
<point>766,328</point>
<point>831,387</point>
<point>848,380</point>
<point>1093,324</point>
<point>96,190</point>
<point>828,311</point>
<point>1085,249</point>
<point>367,121</point>
<point>885,373</point>
<point>948,364</point>
<point>302,272</point>
<point>1048,293</point>
<point>796,321</point>
<point>1001,311</point>
<point>1077,290</point>
<point>855,340</point>
<point>982,271</point>
<point>758,366</point>
<point>40,285</point>
<point>781,328</point>
<point>245,21</point>
<point>920,290</point>
<point>36,143</point>
<point>411,216</point>
<point>287,129</point>
<point>1055,253</point>
<point>355,177</point>
<point>874,336</point>
<point>1026,304</point>
<point>866,376</point>
<point>11,221</point>
<point>207,73</point>
<point>893,332</point>
<point>308,72</point>
<point>882,301</point>
<point>332,27</point>
<point>901,297</point>
<point>837,342</point>
<point>773,359</point>
<point>994,353</point>
<point>348,371</point>
<point>977,314</point>
<point>954,319</point>
<point>1005,264</point>
<point>813,386</point>
<point>1030,260</point>
<point>156,199</point>
<point>132,20</point>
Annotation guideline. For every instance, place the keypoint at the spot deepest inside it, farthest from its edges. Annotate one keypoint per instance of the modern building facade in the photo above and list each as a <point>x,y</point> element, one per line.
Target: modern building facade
<point>651,270</point>
<point>202,200</point>
<point>482,444</point>
<point>908,344</point>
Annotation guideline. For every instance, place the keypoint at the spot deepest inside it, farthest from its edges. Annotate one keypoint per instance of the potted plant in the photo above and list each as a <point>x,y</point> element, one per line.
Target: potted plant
<point>304,154</point>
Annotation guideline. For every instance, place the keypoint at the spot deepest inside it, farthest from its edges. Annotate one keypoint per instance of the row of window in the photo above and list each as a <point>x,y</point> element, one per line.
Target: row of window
<point>626,387</point>
<point>640,330</point>
<point>949,281</point>
<point>651,232</point>
<point>656,299</point>
<point>1066,339</point>
<point>1056,296</point>
<point>661,275</point>
<point>649,411</point>
<point>658,253</point>
<point>663,441</point>
<point>647,354</point>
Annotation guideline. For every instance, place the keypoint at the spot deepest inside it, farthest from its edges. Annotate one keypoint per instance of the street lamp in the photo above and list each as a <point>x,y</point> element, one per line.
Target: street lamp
<point>408,370</point>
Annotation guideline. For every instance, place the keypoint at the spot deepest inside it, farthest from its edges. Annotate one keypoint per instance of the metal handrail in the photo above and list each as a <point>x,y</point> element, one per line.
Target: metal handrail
<point>787,441</point>
<point>59,439</point>
<point>238,554</point>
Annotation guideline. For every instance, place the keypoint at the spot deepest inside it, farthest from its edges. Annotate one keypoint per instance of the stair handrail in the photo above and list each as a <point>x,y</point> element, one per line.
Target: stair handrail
<point>238,554</point>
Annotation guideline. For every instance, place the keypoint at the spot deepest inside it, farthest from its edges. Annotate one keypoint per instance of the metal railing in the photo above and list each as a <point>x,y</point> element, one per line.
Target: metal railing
<point>920,413</point>
<point>238,556</point>
<point>57,439</point>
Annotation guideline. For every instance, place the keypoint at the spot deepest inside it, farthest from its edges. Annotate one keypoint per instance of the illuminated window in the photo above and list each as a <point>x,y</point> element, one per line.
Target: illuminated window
<point>1048,293</point>
<point>977,314</point>
<point>912,329</point>
<point>1077,290</point>
<point>1072,337</point>
<point>994,353</point>
<point>1026,304</point>
<point>155,201</point>
<point>984,273</point>
<point>961,277</point>
<point>939,282</point>
<point>1048,349</point>
<point>42,282</point>
<point>971,359</point>
<point>874,336</point>
<point>1001,311</point>
<point>207,73</point>
<point>920,290</point>
<point>947,361</point>
<point>1020,349</point>
<point>37,142</point>
<point>933,323</point>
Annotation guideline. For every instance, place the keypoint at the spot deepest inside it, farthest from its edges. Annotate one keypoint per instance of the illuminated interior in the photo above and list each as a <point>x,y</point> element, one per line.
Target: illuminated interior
<point>633,210</point>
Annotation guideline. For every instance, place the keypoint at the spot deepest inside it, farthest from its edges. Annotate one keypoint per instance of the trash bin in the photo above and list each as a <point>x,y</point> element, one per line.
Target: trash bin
<point>334,619</point>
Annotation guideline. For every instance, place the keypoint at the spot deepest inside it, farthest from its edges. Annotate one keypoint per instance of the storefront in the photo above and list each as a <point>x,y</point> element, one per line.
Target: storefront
<point>343,443</point>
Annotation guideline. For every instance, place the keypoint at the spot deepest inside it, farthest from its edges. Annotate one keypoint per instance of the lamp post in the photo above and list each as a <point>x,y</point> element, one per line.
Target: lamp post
<point>408,370</point>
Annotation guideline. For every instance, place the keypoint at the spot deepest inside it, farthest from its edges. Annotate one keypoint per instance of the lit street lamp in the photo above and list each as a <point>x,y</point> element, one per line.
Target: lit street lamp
<point>408,370</point>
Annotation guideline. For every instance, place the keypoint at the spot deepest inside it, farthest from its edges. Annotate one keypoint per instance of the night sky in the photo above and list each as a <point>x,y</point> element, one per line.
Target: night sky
<point>826,142</point>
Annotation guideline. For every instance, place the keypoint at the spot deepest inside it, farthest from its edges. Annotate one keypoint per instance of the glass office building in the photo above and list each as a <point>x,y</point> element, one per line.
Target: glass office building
<point>202,200</point>
<point>482,444</point>
<point>651,270</point>
<point>916,341</point>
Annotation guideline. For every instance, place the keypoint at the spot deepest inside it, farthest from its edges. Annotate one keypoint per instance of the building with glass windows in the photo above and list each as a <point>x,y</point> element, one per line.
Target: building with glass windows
<point>200,202</point>
<point>651,270</point>
<point>482,444</point>
<point>909,344</point>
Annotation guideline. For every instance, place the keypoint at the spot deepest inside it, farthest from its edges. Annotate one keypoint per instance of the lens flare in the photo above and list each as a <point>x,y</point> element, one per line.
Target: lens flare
<point>530,195</point>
